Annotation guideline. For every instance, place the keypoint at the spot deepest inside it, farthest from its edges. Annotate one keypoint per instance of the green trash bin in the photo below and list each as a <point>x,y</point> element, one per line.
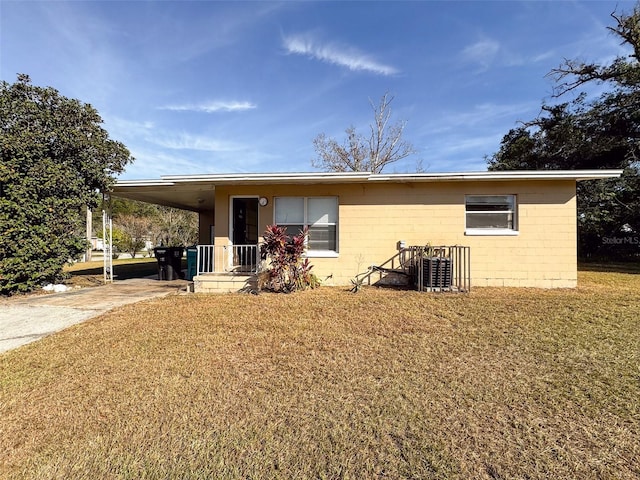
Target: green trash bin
<point>192,259</point>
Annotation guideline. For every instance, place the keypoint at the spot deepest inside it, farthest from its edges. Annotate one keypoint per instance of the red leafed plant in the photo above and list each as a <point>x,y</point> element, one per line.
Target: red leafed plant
<point>287,271</point>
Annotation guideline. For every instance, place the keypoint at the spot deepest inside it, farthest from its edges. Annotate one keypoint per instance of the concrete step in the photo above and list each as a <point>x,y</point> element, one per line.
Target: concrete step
<point>224,283</point>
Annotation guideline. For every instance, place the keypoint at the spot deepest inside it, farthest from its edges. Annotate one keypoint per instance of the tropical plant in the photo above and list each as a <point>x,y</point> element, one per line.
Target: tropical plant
<point>287,271</point>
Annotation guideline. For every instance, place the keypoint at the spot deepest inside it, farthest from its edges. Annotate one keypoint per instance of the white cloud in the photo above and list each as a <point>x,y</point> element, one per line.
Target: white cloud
<point>186,141</point>
<point>120,128</point>
<point>477,146</point>
<point>549,54</point>
<point>459,140</point>
<point>340,55</point>
<point>482,52</point>
<point>155,163</point>
<point>212,106</point>
<point>488,52</point>
<point>461,152</point>
<point>485,115</point>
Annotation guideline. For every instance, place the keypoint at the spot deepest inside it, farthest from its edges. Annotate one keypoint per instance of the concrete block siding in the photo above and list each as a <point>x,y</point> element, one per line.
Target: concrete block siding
<point>374,217</point>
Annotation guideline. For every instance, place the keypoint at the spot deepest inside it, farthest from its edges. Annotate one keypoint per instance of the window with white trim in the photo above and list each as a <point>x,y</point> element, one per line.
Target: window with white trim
<point>320,214</point>
<point>490,214</point>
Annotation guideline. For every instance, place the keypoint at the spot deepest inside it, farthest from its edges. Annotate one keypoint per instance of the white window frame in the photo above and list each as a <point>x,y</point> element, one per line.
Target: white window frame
<point>313,253</point>
<point>513,200</point>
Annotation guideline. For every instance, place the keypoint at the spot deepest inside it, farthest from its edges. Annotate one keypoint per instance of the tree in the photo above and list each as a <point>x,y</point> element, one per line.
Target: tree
<point>175,227</point>
<point>136,230</point>
<point>56,158</point>
<point>624,71</point>
<point>138,222</point>
<point>590,134</point>
<point>359,154</point>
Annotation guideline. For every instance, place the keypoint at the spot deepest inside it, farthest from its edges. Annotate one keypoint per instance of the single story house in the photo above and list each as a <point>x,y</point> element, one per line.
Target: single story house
<point>520,226</point>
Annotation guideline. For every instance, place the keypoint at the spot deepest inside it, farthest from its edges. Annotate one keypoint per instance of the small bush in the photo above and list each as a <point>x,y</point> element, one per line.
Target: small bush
<point>287,271</point>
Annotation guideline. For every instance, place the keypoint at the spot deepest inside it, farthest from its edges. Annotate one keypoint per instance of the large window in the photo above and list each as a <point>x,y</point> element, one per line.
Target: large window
<point>490,214</point>
<point>320,214</point>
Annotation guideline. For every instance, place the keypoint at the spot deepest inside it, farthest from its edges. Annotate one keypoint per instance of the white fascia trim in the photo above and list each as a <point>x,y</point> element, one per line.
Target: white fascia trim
<point>347,177</point>
<point>143,183</point>
<point>284,177</point>
<point>577,175</point>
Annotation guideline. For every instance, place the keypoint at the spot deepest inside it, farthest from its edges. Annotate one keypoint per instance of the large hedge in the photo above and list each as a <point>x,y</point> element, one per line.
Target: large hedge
<point>56,159</point>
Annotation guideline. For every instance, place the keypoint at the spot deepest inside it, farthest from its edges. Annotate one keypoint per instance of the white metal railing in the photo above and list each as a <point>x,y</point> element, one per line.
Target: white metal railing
<point>227,259</point>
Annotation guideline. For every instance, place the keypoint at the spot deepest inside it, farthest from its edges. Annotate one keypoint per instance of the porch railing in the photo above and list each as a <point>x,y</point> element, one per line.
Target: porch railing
<point>243,259</point>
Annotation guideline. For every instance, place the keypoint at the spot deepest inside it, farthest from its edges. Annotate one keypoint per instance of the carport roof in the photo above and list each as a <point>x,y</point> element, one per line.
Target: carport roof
<point>196,192</point>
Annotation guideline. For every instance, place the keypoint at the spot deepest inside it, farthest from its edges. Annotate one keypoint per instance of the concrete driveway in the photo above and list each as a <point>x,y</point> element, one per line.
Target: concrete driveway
<point>29,318</point>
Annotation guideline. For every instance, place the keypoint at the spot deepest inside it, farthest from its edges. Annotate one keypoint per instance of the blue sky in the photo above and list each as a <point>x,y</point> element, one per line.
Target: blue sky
<point>225,87</point>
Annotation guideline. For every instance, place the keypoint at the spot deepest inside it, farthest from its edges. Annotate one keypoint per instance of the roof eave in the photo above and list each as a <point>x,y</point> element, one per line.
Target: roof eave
<point>577,175</point>
<point>360,177</point>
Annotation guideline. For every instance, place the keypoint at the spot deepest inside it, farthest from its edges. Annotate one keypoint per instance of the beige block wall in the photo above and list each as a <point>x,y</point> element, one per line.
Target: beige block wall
<point>206,221</point>
<point>543,254</point>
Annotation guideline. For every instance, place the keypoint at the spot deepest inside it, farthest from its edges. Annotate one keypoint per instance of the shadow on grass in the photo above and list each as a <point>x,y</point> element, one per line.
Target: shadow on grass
<point>632,267</point>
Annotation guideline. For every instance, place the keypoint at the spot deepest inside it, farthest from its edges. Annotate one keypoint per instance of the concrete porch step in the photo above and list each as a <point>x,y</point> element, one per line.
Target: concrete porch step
<point>225,283</point>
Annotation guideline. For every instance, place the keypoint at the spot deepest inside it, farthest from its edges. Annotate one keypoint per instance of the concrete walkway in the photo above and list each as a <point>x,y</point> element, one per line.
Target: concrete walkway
<point>29,318</point>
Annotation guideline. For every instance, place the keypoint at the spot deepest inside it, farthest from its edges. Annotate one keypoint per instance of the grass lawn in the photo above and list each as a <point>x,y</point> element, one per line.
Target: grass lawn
<point>327,384</point>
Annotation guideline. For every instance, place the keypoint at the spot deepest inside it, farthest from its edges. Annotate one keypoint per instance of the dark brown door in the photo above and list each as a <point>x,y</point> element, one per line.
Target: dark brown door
<point>245,229</point>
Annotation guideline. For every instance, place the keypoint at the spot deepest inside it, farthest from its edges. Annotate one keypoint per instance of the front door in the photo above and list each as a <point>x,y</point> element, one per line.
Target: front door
<point>245,231</point>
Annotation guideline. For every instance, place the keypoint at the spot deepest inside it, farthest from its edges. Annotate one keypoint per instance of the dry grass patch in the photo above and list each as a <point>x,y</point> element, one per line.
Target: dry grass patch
<point>501,383</point>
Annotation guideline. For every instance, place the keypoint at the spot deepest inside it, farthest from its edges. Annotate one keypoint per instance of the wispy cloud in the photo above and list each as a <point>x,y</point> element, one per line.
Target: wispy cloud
<point>121,128</point>
<point>458,152</point>
<point>482,52</point>
<point>549,54</point>
<point>485,115</point>
<point>341,55</point>
<point>459,140</point>
<point>476,146</point>
<point>152,163</point>
<point>212,107</point>
<point>186,141</point>
<point>488,52</point>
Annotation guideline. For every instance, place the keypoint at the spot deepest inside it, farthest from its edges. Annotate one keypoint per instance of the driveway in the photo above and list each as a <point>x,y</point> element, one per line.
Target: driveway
<point>29,318</point>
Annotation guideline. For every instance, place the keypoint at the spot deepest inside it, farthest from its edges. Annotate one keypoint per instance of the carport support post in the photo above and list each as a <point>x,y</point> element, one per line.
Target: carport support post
<point>87,255</point>
<point>107,236</point>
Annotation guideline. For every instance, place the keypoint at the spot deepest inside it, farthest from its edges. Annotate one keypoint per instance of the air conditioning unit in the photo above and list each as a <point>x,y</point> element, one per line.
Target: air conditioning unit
<point>437,272</point>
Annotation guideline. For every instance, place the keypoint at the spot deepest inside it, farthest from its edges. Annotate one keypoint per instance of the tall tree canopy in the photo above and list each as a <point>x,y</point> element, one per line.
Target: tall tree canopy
<point>56,158</point>
<point>358,153</point>
<point>590,134</point>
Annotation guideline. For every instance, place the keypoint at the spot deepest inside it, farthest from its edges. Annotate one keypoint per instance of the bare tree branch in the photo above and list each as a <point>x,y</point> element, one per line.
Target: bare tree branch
<point>624,71</point>
<point>384,146</point>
